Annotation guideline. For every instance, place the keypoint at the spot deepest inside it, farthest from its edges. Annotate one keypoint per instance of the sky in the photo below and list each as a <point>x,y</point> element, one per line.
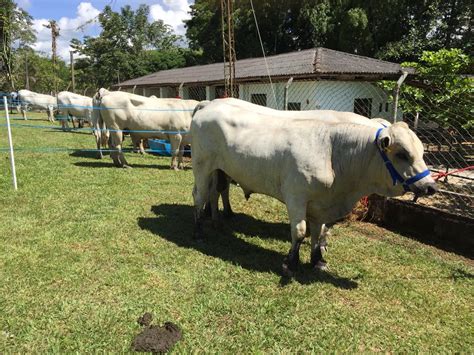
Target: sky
<point>70,14</point>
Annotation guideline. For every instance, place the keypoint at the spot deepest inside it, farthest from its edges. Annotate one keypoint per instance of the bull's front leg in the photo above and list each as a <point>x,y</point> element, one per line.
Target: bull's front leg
<point>51,113</point>
<point>319,235</point>
<point>297,215</point>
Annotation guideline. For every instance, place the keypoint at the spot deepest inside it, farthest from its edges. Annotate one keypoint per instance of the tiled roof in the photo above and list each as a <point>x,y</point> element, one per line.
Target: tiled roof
<point>309,62</point>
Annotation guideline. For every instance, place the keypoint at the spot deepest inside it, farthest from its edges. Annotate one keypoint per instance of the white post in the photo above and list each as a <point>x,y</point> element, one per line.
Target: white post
<point>12,158</point>
<point>397,93</point>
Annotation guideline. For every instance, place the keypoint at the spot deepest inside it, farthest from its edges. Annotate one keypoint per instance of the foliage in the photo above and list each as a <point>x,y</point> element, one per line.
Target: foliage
<point>128,46</point>
<point>40,71</point>
<point>446,93</point>
<point>16,31</point>
<point>392,30</point>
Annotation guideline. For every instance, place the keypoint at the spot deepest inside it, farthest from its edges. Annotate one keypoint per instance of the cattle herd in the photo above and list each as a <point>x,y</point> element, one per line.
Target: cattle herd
<point>318,163</point>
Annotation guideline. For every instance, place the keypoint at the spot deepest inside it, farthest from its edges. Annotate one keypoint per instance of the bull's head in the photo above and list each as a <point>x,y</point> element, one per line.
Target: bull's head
<point>402,152</point>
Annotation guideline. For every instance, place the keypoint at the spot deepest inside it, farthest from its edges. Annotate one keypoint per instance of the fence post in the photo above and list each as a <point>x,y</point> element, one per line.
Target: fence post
<point>397,93</point>
<point>10,143</point>
<point>287,86</point>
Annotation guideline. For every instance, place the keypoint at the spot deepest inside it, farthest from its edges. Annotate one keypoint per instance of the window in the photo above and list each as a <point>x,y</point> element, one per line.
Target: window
<point>219,92</point>
<point>386,107</point>
<point>363,107</point>
<point>380,107</point>
<point>294,106</point>
<point>259,99</point>
<point>197,93</point>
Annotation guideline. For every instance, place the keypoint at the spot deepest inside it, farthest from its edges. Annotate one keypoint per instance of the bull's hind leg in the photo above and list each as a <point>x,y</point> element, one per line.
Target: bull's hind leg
<point>116,138</point>
<point>175,140</point>
<point>23,111</point>
<point>297,214</point>
<point>319,235</point>
<point>97,136</point>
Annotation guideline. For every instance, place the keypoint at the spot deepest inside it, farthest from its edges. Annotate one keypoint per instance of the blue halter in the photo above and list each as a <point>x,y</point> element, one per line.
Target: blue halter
<point>396,177</point>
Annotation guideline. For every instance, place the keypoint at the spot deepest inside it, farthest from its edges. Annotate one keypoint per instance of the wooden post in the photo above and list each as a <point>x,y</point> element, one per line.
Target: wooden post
<point>72,71</point>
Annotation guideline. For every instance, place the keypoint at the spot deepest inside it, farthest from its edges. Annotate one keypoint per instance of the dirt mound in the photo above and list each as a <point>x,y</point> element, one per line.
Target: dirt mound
<point>154,338</point>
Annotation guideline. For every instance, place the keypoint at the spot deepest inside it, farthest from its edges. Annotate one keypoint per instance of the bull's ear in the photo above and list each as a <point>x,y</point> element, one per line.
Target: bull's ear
<point>384,140</point>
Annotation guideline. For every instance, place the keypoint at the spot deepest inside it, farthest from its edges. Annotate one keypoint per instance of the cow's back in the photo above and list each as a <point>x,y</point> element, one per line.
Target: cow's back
<point>123,110</point>
<point>259,151</point>
<point>37,100</point>
<point>74,104</point>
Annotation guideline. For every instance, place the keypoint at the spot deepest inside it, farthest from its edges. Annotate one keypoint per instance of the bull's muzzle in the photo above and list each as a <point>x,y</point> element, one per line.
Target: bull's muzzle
<point>427,189</point>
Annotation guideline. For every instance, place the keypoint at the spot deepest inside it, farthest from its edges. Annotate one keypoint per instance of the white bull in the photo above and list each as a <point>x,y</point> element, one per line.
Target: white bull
<point>75,106</point>
<point>327,116</point>
<point>319,170</point>
<point>38,101</point>
<point>145,117</point>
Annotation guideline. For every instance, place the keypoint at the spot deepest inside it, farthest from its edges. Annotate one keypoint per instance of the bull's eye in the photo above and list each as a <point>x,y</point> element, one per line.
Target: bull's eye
<point>402,156</point>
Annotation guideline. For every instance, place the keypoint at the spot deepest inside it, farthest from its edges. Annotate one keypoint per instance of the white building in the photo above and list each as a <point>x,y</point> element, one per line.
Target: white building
<point>318,78</point>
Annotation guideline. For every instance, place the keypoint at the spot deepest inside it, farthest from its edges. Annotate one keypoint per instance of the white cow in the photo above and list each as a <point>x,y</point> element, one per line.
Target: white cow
<point>145,117</point>
<point>38,101</point>
<point>75,106</point>
<point>319,170</point>
<point>327,116</point>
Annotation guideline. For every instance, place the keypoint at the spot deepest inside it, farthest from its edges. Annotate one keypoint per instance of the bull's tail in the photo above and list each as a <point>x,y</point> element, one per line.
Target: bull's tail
<point>222,181</point>
<point>200,106</point>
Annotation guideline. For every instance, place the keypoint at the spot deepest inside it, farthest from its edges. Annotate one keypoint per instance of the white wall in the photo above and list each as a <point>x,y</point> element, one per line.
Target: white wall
<point>323,95</point>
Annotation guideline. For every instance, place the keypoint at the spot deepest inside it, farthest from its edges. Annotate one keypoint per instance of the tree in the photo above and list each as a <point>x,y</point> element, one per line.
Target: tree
<point>15,30</point>
<point>446,93</point>
<point>392,29</point>
<point>41,71</point>
<point>128,46</point>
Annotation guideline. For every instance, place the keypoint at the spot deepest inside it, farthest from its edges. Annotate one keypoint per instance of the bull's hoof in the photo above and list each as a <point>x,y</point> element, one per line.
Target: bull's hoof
<point>216,224</point>
<point>286,271</point>
<point>207,210</point>
<point>175,168</point>
<point>100,156</point>
<point>316,257</point>
<point>228,214</point>
<point>321,266</point>
<point>125,166</point>
<point>290,266</point>
<point>198,236</point>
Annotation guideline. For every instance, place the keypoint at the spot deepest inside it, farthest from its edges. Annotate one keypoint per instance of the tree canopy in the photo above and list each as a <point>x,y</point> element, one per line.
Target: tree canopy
<point>16,32</point>
<point>393,29</point>
<point>128,46</point>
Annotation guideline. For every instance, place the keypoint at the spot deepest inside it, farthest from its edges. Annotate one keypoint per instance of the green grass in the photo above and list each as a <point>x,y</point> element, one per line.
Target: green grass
<point>85,249</point>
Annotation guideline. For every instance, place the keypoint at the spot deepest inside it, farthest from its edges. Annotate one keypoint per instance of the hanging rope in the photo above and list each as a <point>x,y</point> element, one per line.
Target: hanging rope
<point>263,51</point>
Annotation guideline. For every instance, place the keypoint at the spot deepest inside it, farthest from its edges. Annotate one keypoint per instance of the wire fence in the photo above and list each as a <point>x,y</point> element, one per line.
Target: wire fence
<point>439,110</point>
<point>441,113</point>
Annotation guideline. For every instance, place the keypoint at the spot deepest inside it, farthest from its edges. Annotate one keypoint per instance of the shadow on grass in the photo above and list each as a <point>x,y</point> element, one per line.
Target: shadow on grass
<point>70,130</point>
<point>88,154</point>
<point>107,163</point>
<point>175,223</point>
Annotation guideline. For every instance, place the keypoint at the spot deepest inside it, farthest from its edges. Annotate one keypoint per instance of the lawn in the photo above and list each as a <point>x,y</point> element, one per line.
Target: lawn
<point>87,248</point>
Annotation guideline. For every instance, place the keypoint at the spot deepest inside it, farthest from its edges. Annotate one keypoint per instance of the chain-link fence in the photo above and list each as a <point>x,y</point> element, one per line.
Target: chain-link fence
<point>441,113</point>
